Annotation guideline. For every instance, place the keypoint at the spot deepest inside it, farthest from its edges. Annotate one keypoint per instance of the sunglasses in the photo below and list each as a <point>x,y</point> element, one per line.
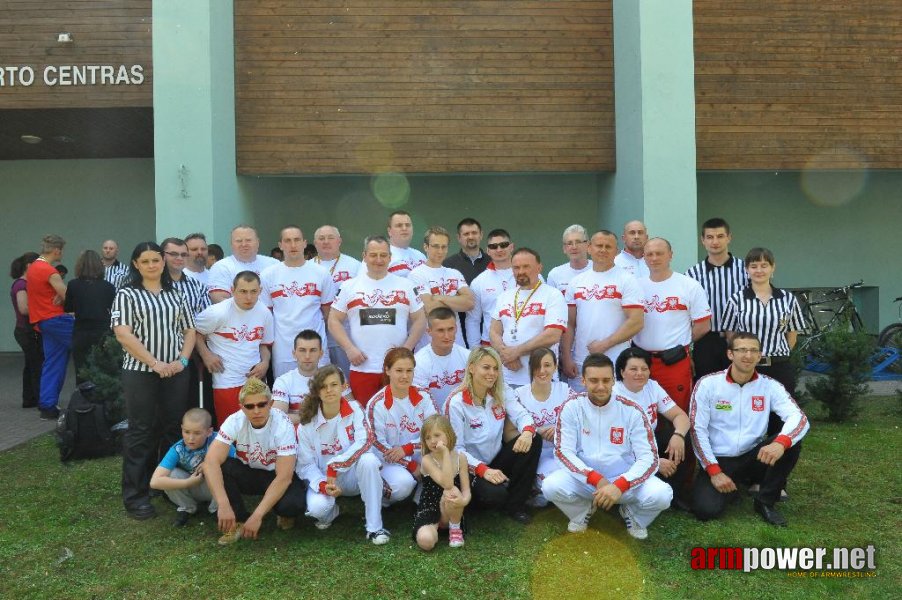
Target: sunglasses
<point>252,406</point>
<point>501,245</point>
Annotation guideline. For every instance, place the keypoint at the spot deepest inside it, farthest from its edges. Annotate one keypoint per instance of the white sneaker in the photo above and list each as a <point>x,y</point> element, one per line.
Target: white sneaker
<point>327,522</point>
<point>577,526</point>
<point>640,533</point>
<point>379,537</point>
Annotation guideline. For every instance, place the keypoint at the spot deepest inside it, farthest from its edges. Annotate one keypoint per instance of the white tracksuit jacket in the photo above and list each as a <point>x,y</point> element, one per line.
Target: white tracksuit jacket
<point>329,447</point>
<point>398,423</point>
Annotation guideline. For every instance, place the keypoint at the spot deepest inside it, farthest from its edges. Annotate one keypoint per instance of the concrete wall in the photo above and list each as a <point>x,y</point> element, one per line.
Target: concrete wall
<point>85,201</point>
<point>826,229</point>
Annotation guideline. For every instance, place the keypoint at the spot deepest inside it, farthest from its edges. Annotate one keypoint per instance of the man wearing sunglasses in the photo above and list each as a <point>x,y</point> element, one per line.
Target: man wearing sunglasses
<point>265,455</point>
<point>497,278</point>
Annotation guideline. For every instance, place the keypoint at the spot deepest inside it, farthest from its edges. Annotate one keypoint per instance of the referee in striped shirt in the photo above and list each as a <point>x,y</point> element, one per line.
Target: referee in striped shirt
<point>721,275</point>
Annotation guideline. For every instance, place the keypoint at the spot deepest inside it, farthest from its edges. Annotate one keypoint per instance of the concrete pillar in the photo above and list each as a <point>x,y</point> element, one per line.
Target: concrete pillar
<point>654,73</point>
<point>194,120</point>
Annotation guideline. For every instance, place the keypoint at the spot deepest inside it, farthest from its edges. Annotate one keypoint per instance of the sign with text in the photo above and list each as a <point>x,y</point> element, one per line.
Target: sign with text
<point>71,75</point>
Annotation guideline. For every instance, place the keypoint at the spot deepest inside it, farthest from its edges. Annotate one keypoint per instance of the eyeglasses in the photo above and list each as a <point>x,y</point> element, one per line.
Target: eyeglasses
<point>252,406</point>
<point>501,245</point>
<point>746,350</point>
<point>177,254</point>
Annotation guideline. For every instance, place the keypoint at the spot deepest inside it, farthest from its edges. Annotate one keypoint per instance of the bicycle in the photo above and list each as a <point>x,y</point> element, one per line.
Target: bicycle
<point>845,315</point>
<point>891,338</point>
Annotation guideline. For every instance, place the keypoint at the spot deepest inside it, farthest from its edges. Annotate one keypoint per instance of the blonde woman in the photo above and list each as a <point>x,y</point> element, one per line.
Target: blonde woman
<point>505,471</point>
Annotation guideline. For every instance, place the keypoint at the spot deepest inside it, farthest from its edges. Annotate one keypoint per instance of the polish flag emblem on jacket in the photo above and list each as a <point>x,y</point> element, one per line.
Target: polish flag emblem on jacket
<point>616,435</point>
<point>758,403</point>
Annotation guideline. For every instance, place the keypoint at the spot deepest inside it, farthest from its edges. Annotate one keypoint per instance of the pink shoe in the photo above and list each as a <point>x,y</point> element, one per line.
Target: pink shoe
<point>455,537</point>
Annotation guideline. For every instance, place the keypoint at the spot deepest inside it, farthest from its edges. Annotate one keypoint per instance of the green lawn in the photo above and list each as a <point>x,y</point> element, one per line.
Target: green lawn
<point>846,492</point>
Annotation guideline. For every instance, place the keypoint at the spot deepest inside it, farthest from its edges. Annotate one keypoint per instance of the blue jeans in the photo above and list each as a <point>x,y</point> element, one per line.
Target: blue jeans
<point>57,337</point>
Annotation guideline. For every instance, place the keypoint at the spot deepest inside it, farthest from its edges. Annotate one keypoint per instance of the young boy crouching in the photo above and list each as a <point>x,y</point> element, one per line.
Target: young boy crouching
<point>181,472</point>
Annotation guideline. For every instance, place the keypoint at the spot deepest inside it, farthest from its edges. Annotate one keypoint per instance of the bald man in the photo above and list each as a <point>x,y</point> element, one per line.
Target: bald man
<point>631,258</point>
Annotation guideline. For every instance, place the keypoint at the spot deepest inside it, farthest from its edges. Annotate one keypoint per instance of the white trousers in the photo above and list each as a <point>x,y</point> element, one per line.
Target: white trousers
<point>574,497</point>
<point>362,479</point>
<point>187,498</point>
<point>398,483</point>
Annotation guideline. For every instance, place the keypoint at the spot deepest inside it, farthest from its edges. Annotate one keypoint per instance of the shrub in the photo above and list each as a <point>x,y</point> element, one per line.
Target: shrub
<point>104,369</point>
<point>848,353</point>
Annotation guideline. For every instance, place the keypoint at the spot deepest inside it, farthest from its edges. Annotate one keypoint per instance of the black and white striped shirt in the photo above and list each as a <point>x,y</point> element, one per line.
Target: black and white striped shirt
<point>157,320</point>
<point>770,322</point>
<point>116,273</point>
<point>719,283</point>
<point>197,297</point>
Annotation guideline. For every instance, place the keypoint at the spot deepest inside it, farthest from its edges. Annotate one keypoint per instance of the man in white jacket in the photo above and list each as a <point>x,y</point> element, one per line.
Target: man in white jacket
<point>607,449</point>
<point>728,413</point>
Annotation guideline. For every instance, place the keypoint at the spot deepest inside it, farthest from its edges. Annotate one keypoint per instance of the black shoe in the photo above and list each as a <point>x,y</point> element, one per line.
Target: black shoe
<point>520,516</point>
<point>153,493</point>
<point>181,518</point>
<point>50,415</point>
<point>142,512</point>
<point>32,404</point>
<point>680,504</point>
<point>770,514</point>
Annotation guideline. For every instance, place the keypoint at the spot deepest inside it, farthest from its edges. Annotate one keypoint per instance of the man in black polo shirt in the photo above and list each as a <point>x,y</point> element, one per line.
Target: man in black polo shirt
<point>721,275</point>
<point>471,260</point>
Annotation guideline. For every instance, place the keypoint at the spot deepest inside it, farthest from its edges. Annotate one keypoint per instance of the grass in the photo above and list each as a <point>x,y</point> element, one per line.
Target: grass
<point>845,492</point>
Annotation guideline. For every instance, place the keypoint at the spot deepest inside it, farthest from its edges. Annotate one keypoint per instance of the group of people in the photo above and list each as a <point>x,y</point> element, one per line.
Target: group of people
<point>452,379</point>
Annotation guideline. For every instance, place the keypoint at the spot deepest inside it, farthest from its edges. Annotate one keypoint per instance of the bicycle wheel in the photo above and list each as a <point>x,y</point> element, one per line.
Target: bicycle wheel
<point>891,337</point>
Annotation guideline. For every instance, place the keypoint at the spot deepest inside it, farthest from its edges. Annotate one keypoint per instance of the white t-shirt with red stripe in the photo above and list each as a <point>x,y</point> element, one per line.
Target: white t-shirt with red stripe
<point>486,288</point>
<point>438,281</point>
<point>379,312</point>
<point>652,398</point>
<point>236,336</point>
<point>296,296</point>
<point>561,276</point>
<point>440,375</point>
<point>671,307</point>
<point>223,272</point>
<point>405,260</point>
<point>259,448</point>
<point>341,269</point>
<point>600,298</point>
<point>545,309</point>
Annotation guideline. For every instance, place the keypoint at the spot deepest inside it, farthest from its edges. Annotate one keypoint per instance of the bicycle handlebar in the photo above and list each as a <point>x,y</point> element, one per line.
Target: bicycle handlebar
<point>845,289</point>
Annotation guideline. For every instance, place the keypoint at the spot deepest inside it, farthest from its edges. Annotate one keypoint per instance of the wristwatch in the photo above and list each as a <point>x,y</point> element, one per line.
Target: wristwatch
<point>184,361</point>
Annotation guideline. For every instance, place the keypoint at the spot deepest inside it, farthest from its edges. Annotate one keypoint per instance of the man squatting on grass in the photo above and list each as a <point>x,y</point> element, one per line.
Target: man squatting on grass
<point>265,455</point>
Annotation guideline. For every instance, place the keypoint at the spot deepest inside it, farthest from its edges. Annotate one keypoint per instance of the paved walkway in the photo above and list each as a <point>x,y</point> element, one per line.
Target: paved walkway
<point>18,425</point>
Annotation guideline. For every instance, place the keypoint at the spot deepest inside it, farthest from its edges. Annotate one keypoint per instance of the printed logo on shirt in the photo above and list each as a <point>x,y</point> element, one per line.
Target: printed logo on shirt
<point>758,403</point>
<point>723,405</point>
<point>330,449</point>
<point>532,309</point>
<point>587,431</point>
<point>616,435</point>
<point>446,379</point>
<point>350,431</point>
<point>443,288</point>
<point>244,334</point>
<point>655,304</point>
<point>545,417</point>
<point>250,455</point>
<point>308,289</point>
<point>379,297</point>
<point>378,316</point>
<point>339,276</point>
<point>653,414</point>
<point>498,412</point>
<point>475,423</point>
<point>408,425</point>
<point>598,292</point>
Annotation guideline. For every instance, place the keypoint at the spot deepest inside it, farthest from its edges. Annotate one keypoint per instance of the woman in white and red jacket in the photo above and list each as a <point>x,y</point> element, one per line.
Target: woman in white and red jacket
<point>396,414</point>
<point>333,444</point>
<point>504,471</point>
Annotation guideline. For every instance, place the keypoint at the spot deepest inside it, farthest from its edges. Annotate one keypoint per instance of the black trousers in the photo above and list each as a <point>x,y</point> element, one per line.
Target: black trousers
<point>83,341</point>
<point>154,407</point>
<point>521,473</point>
<point>238,478</point>
<point>708,503</point>
<point>681,480</point>
<point>709,354</point>
<point>32,347</point>
<point>784,372</point>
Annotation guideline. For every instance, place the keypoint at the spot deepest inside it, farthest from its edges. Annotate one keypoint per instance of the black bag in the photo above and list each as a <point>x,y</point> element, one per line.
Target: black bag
<point>672,356</point>
<point>83,429</point>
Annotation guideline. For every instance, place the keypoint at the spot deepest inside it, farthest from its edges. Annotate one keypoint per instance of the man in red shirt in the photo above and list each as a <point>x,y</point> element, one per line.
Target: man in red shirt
<point>46,293</point>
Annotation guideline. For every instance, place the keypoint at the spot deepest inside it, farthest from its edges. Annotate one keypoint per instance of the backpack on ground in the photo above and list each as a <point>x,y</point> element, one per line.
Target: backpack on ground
<point>84,429</point>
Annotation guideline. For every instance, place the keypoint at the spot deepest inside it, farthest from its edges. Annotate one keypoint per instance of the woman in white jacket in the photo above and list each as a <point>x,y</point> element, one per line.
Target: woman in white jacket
<point>333,457</point>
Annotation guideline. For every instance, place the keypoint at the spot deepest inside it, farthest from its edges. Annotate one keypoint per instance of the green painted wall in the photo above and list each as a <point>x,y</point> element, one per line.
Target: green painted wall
<point>826,229</point>
<point>534,208</point>
<point>85,201</point>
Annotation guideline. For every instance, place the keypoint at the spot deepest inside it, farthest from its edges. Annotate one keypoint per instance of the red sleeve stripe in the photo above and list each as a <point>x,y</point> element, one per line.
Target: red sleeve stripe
<point>371,421</point>
<point>693,405</point>
<point>354,457</point>
<point>650,437</point>
<point>557,451</point>
<point>556,326</point>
